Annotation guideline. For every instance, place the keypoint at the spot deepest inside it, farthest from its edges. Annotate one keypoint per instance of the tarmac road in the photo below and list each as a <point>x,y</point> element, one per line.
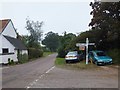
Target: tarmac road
<point>20,76</point>
<point>62,78</point>
<point>43,74</point>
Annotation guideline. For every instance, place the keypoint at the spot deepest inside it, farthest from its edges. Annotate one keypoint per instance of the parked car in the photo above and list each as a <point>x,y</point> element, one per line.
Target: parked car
<point>72,56</point>
<point>99,58</point>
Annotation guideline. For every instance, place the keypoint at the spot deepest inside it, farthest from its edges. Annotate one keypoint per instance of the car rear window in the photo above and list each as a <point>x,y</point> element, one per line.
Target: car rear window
<point>101,54</point>
<point>72,53</point>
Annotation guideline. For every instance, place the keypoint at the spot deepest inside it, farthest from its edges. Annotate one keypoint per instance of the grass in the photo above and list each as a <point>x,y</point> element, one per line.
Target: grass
<point>60,62</point>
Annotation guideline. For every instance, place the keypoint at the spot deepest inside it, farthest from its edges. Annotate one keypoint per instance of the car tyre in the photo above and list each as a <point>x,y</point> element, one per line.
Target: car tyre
<point>66,61</point>
<point>96,63</point>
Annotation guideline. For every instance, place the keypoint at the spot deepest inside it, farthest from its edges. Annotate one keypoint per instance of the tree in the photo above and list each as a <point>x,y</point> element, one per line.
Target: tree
<point>51,41</point>
<point>35,31</point>
<point>65,44</point>
<point>106,19</point>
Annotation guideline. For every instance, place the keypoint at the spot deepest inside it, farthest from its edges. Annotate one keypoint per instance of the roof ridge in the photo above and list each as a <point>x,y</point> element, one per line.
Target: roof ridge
<point>4,19</point>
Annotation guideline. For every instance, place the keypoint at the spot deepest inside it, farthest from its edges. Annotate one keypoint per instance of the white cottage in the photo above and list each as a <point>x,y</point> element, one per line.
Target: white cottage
<point>9,44</point>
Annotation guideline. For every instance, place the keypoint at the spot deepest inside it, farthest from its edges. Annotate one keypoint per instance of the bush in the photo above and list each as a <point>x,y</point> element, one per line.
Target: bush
<point>45,49</point>
<point>34,53</point>
<point>23,58</point>
<point>115,55</point>
<point>61,53</point>
<point>11,62</point>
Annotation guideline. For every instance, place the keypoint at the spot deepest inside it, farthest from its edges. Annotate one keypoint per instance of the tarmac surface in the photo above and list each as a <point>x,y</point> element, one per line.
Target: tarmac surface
<point>42,73</point>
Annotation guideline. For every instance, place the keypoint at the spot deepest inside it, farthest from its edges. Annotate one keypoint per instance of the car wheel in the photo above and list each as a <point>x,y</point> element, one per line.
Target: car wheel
<point>66,61</point>
<point>96,62</point>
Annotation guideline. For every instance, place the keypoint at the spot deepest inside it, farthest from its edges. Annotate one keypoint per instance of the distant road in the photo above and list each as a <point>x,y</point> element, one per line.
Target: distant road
<point>20,76</point>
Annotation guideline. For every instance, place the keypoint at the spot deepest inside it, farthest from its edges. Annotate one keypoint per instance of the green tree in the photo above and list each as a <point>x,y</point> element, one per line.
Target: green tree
<point>51,41</point>
<point>106,19</point>
<point>65,43</point>
<point>35,31</point>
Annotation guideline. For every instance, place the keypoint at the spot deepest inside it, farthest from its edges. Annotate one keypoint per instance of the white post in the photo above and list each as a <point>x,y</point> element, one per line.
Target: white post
<point>87,50</point>
<point>87,45</point>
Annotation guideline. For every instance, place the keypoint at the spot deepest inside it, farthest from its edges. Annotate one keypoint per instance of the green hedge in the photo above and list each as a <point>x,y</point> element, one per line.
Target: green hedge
<point>61,52</point>
<point>23,58</point>
<point>34,53</point>
<point>115,55</point>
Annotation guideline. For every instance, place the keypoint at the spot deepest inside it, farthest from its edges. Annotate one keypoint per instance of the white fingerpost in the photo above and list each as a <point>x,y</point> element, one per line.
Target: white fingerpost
<point>85,44</point>
<point>87,50</point>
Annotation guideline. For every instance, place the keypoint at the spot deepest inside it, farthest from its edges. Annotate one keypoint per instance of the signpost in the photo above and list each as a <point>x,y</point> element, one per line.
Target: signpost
<point>85,44</point>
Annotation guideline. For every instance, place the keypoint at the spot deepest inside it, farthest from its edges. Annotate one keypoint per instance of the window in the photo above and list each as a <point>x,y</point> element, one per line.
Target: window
<point>5,50</point>
<point>101,54</point>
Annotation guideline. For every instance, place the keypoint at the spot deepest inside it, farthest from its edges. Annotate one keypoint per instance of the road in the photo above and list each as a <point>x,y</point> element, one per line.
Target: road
<point>42,73</point>
<point>62,78</point>
<point>20,76</point>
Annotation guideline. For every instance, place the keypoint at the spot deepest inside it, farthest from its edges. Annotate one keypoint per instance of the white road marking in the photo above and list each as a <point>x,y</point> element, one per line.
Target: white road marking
<point>41,76</point>
<point>3,67</point>
<point>31,84</point>
<point>36,80</point>
<point>28,87</point>
<point>50,69</point>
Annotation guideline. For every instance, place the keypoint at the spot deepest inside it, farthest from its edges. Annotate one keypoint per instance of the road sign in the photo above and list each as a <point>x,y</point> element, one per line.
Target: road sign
<point>80,45</point>
<point>91,43</point>
<point>84,44</point>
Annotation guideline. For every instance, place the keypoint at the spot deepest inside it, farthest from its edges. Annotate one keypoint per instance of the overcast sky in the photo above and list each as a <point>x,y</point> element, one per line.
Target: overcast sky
<point>58,17</point>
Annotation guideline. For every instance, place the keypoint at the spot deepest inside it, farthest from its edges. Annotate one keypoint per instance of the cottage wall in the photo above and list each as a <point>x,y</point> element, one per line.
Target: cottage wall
<point>11,54</point>
<point>24,51</point>
<point>6,44</point>
<point>4,58</point>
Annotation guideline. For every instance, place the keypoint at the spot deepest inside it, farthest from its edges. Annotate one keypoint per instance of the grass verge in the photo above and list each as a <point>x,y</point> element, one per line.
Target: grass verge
<point>60,62</point>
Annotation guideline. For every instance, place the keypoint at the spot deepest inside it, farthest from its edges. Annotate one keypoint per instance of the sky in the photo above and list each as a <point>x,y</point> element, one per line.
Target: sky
<point>72,16</point>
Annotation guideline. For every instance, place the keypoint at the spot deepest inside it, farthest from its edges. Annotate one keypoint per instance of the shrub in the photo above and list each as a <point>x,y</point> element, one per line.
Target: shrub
<point>45,49</point>
<point>9,62</point>
<point>12,62</point>
<point>34,53</point>
<point>23,58</point>
<point>61,53</point>
<point>115,55</point>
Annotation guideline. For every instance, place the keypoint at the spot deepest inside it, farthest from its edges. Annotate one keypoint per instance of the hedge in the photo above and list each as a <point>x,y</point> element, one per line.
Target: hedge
<point>34,53</point>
